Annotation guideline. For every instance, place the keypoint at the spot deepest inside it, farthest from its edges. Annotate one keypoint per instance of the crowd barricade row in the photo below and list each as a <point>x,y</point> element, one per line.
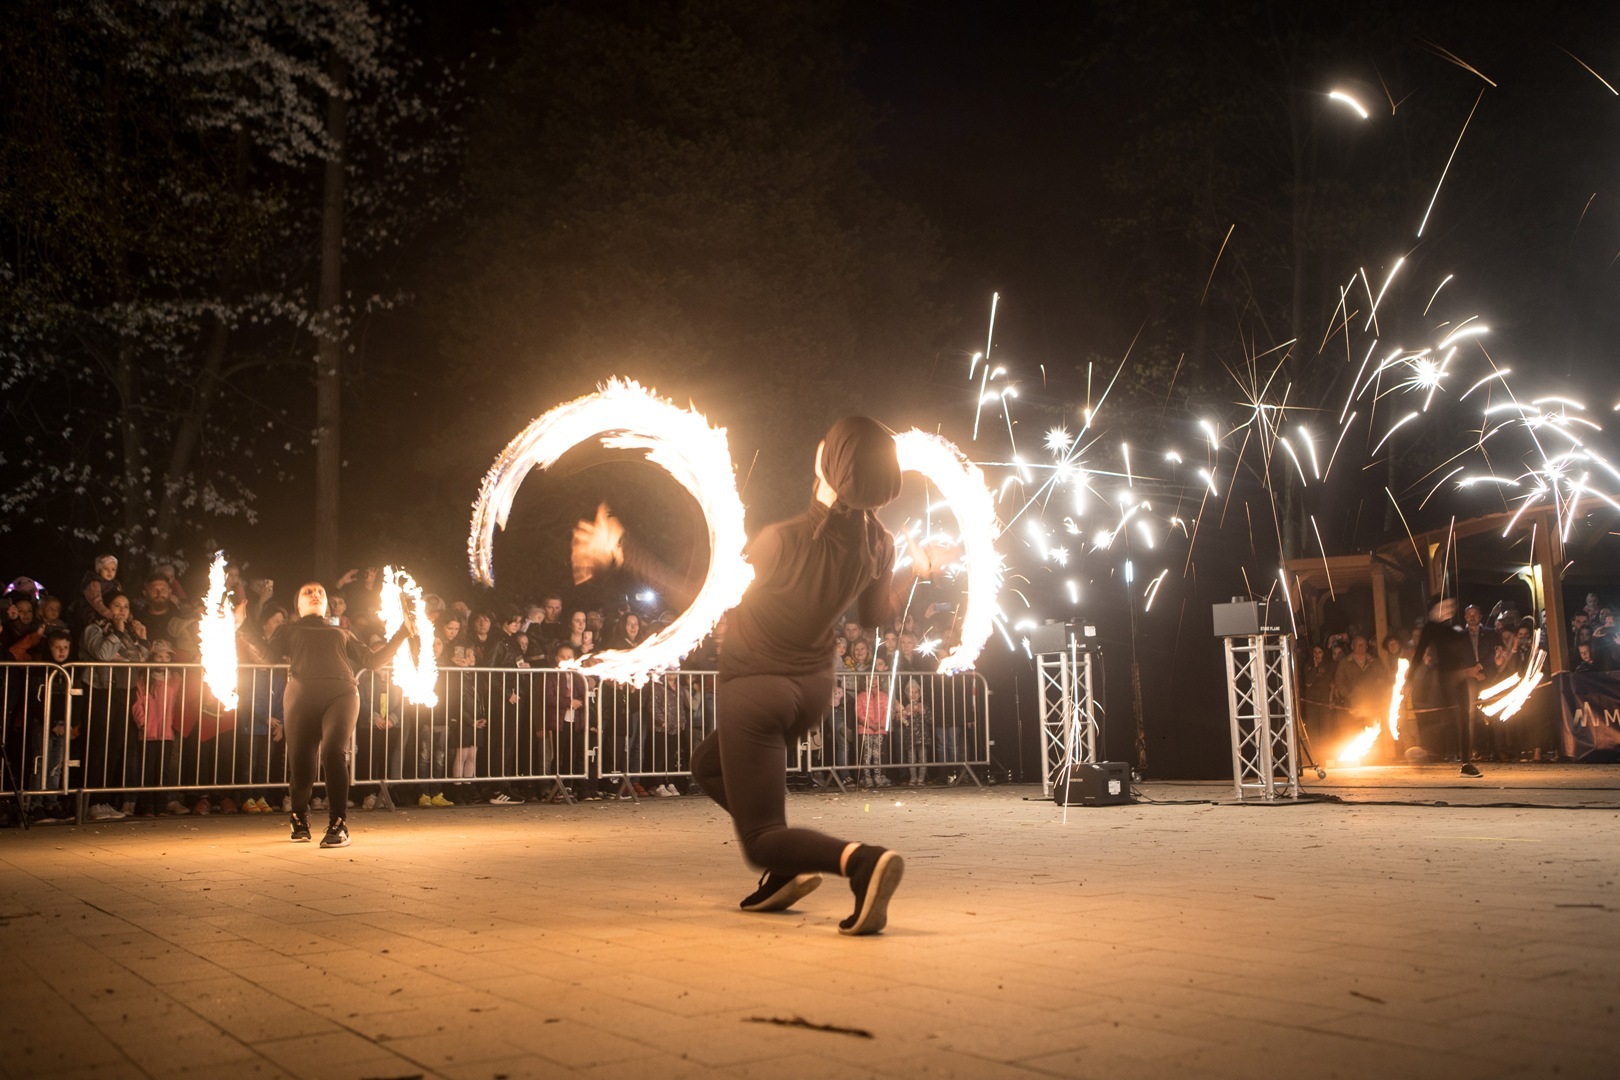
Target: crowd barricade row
<point>889,728</point>
<point>34,738</point>
<point>152,733</point>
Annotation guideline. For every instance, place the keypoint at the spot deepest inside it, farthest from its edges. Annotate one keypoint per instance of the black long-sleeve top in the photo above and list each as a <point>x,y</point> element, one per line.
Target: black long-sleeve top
<point>315,649</point>
<point>804,581</point>
<point>1451,649</point>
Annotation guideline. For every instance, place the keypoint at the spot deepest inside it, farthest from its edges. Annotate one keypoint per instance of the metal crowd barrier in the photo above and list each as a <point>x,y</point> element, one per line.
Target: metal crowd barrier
<point>34,735</point>
<point>147,733</point>
<point>902,728</point>
<point>648,733</point>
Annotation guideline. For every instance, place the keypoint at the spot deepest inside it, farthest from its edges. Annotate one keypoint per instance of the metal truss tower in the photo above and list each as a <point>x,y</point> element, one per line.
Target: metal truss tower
<point>1260,695</point>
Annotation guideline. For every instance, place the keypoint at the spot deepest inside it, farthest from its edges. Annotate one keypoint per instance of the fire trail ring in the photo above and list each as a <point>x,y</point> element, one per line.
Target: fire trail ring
<point>624,416</point>
<point>961,484</point>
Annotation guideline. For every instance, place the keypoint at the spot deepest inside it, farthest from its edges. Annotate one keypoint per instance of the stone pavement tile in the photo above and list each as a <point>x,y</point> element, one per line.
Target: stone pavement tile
<point>1341,1056</point>
<point>336,1054</point>
<point>254,1066</point>
<point>442,1049</point>
<point>180,1045</point>
<point>575,1046</point>
<point>801,1066</point>
<point>55,1040</point>
<point>893,1058</point>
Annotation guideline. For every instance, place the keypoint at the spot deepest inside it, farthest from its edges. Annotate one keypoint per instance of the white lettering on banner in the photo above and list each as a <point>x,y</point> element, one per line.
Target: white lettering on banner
<point>1589,717</point>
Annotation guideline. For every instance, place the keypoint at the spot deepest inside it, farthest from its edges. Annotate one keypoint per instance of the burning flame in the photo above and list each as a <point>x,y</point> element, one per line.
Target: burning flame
<point>1357,748</point>
<point>1402,666</point>
<point>626,417</point>
<point>961,483</point>
<point>415,677</point>
<point>1514,691</point>
<point>217,629</point>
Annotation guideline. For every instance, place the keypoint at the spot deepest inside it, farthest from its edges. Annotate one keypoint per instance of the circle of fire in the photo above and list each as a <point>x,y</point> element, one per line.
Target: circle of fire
<point>624,416</point>
<point>961,484</point>
<point>416,674</point>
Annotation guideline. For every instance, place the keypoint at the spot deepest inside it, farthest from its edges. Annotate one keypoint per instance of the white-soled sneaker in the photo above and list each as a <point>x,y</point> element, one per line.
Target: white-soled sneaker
<point>874,874</point>
<point>778,892</point>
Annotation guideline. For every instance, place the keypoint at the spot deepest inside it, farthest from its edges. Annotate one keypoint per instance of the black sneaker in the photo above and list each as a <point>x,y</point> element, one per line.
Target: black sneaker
<point>300,829</point>
<point>337,835</point>
<point>778,892</point>
<point>874,873</point>
<point>1470,769</point>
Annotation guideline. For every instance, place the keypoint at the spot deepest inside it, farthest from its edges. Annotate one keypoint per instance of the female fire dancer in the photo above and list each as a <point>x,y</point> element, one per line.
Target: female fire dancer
<point>776,670</point>
<point>321,705</point>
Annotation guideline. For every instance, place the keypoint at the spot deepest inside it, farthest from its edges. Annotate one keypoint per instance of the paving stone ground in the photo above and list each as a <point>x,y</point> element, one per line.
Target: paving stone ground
<point>1186,937</point>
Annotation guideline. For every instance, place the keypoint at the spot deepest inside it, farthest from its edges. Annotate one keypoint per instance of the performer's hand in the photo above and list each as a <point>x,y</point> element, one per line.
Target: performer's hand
<point>930,560</point>
<point>598,545</point>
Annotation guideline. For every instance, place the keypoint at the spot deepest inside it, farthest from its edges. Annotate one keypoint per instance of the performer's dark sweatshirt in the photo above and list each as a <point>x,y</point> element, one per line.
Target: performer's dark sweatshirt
<point>315,649</point>
<point>803,584</point>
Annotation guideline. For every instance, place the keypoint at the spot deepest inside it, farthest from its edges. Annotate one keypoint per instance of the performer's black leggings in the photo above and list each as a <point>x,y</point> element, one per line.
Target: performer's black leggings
<point>1457,696</point>
<point>320,725</point>
<point>742,765</point>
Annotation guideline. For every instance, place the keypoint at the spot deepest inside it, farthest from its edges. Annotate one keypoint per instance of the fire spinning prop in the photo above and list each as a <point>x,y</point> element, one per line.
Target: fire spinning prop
<point>415,670</point>
<point>624,416</point>
<point>1514,691</point>
<point>1402,667</point>
<point>961,484</point>
<point>217,630</point>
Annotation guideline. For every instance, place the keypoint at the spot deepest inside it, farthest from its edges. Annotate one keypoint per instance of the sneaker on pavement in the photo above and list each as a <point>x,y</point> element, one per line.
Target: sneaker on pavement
<point>641,791</point>
<point>424,799</point>
<point>778,891</point>
<point>337,835</point>
<point>178,808</point>
<point>369,803</point>
<point>440,800</point>
<point>250,806</point>
<point>300,829</point>
<point>202,806</point>
<point>317,803</point>
<point>105,812</point>
<point>286,804</point>
<point>1470,769</point>
<point>874,873</point>
<point>227,805</point>
<point>503,799</point>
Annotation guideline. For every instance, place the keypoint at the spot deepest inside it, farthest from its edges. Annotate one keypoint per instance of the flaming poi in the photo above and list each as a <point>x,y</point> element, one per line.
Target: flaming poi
<point>1402,666</point>
<point>961,484</point>
<point>624,416</point>
<point>415,675</point>
<point>217,631</point>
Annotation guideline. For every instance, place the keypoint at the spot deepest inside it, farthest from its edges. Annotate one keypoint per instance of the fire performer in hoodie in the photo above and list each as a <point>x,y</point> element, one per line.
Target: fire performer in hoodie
<point>322,704</point>
<point>776,670</point>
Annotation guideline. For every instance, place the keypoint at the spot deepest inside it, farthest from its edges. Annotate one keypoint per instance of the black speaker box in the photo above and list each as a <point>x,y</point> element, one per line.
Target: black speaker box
<point>1107,783</point>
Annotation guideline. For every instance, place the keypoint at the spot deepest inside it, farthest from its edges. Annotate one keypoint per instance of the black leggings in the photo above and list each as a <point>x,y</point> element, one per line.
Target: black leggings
<point>321,714</point>
<point>742,765</point>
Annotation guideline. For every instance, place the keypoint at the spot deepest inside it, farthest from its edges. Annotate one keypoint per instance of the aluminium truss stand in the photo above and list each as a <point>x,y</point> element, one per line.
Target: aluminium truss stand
<point>1260,698</point>
<point>1071,715</point>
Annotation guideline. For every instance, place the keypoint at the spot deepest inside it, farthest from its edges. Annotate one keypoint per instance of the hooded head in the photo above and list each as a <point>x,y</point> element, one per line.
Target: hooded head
<point>859,462</point>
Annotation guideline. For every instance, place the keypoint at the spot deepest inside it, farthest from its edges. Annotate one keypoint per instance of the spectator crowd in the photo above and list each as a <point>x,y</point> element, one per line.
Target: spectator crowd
<point>144,738</point>
<point>1347,679</point>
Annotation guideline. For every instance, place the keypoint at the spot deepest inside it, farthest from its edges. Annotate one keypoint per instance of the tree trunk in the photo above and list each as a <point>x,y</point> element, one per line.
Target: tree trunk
<point>187,436</point>
<point>329,331</point>
<point>126,376</point>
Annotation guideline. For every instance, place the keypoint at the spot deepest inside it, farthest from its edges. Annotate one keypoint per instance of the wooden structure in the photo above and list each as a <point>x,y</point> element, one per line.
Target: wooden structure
<point>1429,557</point>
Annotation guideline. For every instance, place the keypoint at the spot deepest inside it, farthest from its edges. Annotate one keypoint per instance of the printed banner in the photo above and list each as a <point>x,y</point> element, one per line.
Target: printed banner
<point>1591,708</point>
